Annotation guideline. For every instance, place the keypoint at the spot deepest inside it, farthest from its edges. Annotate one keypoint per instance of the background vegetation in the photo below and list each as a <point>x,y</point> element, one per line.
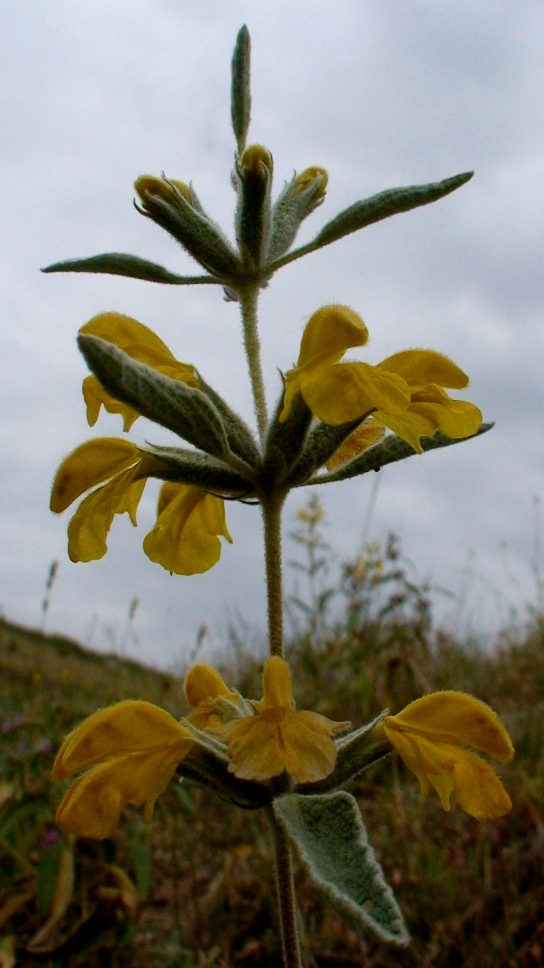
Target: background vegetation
<point>194,888</point>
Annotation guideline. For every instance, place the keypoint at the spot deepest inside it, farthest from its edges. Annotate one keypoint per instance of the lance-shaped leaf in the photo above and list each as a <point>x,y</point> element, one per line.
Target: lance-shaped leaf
<point>122,264</point>
<point>172,404</point>
<point>392,448</point>
<point>240,101</point>
<point>321,444</point>
<point>284,441</point>
<point>374,209</point>
<point>200,470</point>
<point>240,438</point>
<point>333,845</point>
<point>189,225</point>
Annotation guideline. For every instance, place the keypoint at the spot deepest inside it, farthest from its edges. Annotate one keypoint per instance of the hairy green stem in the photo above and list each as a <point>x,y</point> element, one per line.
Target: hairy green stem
<point>271,509</point>
<point>286,895</point>
<point>249,300</point>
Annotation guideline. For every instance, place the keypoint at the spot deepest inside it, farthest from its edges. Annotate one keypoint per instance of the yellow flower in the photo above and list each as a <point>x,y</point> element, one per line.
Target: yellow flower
<point>426,373</point>
<point>131,750</point>
<point>277,738</point>
<point>185,537</point>
<point>143,345</point>
<point>431,735</point>
<point>339,392</point>
<point>205,691</point>
<point>404,392</point>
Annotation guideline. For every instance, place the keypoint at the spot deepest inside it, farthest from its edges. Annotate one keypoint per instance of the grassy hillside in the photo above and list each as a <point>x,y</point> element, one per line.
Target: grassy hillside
<point>194,887</point>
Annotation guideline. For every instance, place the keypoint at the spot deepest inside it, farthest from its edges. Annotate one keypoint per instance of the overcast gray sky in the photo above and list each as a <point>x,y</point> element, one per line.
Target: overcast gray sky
<point>381,94</point>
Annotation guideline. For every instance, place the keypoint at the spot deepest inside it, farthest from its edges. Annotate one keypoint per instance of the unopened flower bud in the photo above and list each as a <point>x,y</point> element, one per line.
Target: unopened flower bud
<point>175,207</point>
<point>308,178</point>
<point>147,185</point>
<point>299,198</point>
<point>254,181</point>
<point>256,164</point>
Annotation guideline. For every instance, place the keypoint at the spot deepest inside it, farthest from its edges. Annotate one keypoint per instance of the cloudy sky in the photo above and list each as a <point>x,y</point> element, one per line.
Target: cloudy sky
<point>381,94</point>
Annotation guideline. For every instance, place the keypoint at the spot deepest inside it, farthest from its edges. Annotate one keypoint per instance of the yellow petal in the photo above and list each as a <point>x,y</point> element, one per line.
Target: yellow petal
<point>432,409</point>
<point>91,463</point>
<point>346,391</point>
<point>277,689</point>
<point>204,682</point>
<point>456,718</point>
<point>204,691</point>
<point>167,493</point>
<point>185,537</point>
<point>127,727</point>
<point>423,756</point>
<point>329,332</point>
<point>478,789</point>
<point>126,332</point>
<point>410,425</point>
<point>89,527</point>
<point>419,367</point>
<point>444,786</point>
<point>255,751</point>
<point>141,343</point>
<point>455,418</point>
<point>92,806</point>
<point>366,435</point>
<point>310,753</point>
<point>95,397</point>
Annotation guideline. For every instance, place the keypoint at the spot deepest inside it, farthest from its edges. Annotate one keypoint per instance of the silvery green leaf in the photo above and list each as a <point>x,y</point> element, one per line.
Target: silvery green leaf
<point>240,438</point>
<point>392,448</point>
<point>172,404</point>
<point>121,264</point>
<point>322,442</point>
<point>284,441</point>
<point>385,204</point>
<point>196,232</point>
<point>333,845</point>
<point>374,209</point>
<point>200,470</point>
<point>241,87</point>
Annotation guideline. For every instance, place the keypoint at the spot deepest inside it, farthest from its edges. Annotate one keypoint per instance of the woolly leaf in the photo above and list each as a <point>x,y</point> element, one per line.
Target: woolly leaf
<point>389,450</point>
<point>333,845</point>
<point>391,202</point>
<point>241,87</point>
<point>201,470</point>
<point>172,404</point>
<point>374,209</point>
<point>240,438</point>
<point>121,264</point>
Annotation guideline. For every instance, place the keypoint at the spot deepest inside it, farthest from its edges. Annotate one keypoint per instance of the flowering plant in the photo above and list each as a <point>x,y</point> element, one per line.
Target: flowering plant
<point>334,419</point>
